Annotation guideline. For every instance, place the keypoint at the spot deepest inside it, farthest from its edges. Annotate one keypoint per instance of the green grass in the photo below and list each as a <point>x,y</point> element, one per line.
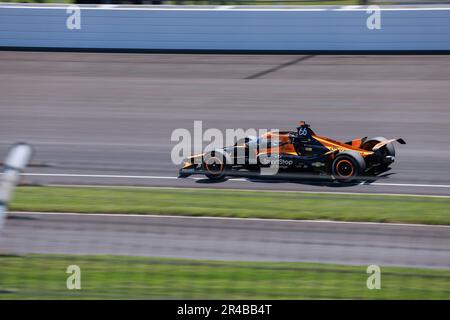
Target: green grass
<point>234,203</point>
<point>44,277</point>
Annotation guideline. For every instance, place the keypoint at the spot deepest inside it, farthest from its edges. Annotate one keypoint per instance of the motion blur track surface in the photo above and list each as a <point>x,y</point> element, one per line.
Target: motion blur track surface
<point>113,114</point>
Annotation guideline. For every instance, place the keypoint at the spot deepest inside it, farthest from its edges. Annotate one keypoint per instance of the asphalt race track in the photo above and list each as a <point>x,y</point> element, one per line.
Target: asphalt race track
<point>107,119</point>
<point>97,118</point>
<point>228,239</point>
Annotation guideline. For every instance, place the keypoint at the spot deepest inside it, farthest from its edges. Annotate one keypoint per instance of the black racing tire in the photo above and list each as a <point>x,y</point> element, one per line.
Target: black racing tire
<point>214,165</point>
<point>347,166</point>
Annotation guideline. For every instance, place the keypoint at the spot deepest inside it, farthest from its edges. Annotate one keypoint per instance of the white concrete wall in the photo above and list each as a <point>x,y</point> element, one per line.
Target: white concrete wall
<point>216,29</point>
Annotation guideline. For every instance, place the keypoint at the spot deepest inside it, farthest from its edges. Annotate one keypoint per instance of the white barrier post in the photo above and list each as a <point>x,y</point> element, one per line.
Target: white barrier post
<point>17,159</point>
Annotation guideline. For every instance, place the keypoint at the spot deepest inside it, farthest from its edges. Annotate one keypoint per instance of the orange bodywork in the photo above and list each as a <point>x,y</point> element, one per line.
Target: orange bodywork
<point>334,145</point>
<point>286,147</point>
<point>300,150</point>
<point>284,144</point>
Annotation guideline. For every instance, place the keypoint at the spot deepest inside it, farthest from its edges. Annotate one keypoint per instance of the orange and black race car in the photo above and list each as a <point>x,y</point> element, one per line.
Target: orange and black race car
<point>296,151</point>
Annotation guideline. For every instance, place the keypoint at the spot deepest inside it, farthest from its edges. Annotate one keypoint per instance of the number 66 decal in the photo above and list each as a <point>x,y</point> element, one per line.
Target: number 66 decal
<point>302,132</point>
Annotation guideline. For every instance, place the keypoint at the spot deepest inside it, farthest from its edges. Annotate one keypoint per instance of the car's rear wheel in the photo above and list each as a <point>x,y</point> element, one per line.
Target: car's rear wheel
<point>214,165</point>
<point>347,166</point>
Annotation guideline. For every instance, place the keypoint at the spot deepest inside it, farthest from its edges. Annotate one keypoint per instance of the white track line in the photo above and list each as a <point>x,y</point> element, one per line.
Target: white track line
<point>197,178</point>
<point>229,218</point>
<point>410,185</point>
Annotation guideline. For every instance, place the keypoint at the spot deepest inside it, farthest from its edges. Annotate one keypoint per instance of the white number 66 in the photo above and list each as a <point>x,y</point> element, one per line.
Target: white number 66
<point>302,132</point>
